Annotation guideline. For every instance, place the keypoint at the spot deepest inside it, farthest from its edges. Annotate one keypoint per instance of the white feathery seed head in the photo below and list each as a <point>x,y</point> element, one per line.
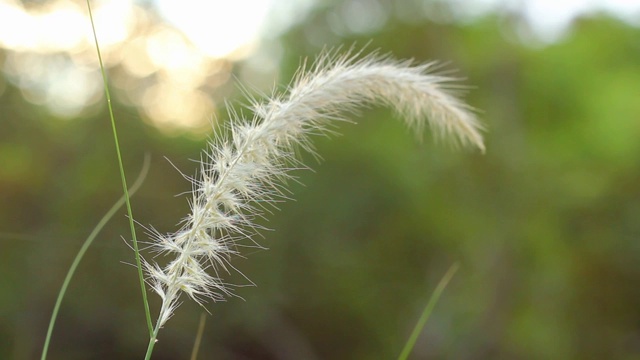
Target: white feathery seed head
<point>243,175</point>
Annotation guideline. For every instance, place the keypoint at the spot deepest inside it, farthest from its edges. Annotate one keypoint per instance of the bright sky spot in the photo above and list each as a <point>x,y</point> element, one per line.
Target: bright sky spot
<point>550,18</point>
<point>218,27</point>
<point>61,25</point>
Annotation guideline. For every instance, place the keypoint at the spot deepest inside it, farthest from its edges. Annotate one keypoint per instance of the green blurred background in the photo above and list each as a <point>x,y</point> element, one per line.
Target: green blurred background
<point>544,226</point>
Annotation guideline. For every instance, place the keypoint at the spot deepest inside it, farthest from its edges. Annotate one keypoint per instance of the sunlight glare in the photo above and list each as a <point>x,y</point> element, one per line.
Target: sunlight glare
<point>61,25</point>
<point>218,28</point>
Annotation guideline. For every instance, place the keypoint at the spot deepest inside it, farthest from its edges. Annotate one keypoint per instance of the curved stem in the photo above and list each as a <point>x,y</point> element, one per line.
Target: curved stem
<point>83,250</point>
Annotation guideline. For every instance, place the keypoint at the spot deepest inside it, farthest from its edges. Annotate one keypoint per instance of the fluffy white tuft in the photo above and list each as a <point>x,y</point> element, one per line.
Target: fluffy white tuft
<point>242,176</point>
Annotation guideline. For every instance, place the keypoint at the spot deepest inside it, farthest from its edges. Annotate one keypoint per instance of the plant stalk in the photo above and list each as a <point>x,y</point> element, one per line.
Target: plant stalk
<point>122,176</point>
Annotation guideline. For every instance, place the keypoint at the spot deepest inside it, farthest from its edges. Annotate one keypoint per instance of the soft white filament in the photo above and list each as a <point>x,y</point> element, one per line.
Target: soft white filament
<point>242,175</point>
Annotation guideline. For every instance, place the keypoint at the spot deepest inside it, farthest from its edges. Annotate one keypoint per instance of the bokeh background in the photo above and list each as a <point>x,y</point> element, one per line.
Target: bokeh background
<point>545,225</point>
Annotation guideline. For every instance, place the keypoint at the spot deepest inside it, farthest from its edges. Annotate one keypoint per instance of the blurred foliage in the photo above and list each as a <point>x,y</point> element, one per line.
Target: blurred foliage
<point>545,225</point>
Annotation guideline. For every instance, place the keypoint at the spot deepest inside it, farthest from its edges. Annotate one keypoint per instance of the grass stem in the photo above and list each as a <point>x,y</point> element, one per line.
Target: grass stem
<point>122,176</point>
<point>96,230</point>
<point>198,341</point>
<point>426,313</point>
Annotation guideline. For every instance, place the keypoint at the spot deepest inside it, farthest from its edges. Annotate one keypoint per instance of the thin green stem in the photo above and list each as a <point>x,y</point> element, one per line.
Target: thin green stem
<point>83,250</point>
<point>152,341</point>
<point>124,180</point>
<point>426,313</point>
<point>196,344</point>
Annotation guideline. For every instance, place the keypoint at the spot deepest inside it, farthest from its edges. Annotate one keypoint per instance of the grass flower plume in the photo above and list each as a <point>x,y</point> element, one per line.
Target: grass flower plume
<point>243,174</point>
